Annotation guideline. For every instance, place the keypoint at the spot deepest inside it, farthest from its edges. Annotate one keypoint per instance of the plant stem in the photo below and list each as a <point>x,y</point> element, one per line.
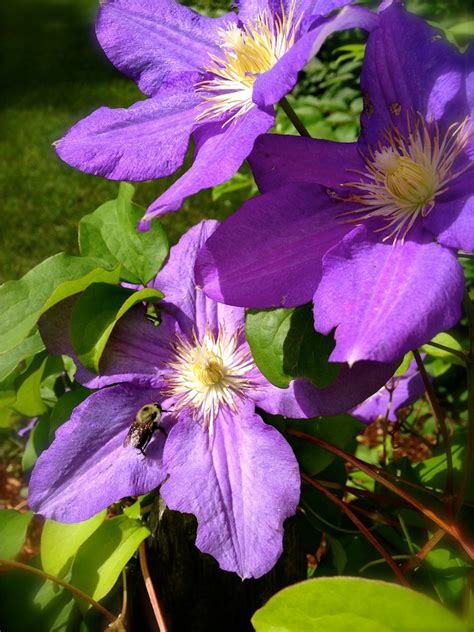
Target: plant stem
<point>155,604</point>
<point>416,559</point>
<point>364,493</point>
<point>469,453</point>
<point>359,524</point>
<point>36,571</point>
<point>441,422</point>
<point>375,474</point>
<point>294,118</point>
<point>123,613</point>
<point>377,562</point>
<point>455,352</point>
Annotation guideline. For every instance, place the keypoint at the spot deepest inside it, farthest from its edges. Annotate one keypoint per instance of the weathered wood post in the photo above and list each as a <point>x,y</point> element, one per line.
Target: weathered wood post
<point>195,595</point>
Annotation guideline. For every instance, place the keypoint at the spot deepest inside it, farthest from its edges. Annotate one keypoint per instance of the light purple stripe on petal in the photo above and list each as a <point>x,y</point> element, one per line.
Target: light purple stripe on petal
<point>220,151</point>
<point>241,485</point>
<point>385,300</point>
<point>148,40</point>
<point>87,468</point>
<point>269,253</point>
<point>148,140</point>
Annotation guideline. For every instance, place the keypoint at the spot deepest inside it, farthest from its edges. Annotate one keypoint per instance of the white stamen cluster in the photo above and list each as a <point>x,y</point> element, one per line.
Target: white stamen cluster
<point>209,373</point>
<point>247,52</point>
<point>404,177</point>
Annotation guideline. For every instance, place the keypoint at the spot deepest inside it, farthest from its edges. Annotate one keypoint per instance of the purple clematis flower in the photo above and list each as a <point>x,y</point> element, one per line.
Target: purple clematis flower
<point>400,391</point>
<point>369,230</point>
<point>216,458</point>
<point>216,79</point>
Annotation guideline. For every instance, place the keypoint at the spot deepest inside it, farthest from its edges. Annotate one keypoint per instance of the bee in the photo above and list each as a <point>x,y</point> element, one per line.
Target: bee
<point>147,420</point>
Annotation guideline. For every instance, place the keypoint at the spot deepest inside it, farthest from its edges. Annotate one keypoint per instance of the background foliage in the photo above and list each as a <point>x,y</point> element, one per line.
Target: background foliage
<point>54,75</point>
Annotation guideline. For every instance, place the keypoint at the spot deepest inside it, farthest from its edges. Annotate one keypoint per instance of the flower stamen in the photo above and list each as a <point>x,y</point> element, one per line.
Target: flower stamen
<point>208,373</point>
<point>248,51</point>
<point>404,176</point>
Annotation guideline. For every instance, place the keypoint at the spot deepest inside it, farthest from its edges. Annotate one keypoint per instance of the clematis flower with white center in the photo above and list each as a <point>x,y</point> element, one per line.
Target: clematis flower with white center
<point>369,230</point>
<point>216,458</point>
<point>215,80</point>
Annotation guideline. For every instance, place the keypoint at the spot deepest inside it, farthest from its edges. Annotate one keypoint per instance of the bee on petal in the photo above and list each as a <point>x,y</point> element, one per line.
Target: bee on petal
<point>147,420</point>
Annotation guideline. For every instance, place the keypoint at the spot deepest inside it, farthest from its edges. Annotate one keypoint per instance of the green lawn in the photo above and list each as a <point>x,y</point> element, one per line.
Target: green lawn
<point>55,73</point>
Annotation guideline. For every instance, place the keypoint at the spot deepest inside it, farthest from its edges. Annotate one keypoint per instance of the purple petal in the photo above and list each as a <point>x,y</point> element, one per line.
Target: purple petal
<point>250,9</point>
<point>385,300</point>
<point>148,140</point>
<point>269,253</point>
<point>183,299</point>
<point>149,40</point>
<point>408,65</point>
<point>87,468</point>
<point>135,350</point>
<point>273,85</point>
<point>220,151</point>
<point>397,393</point>
<point>277,160</point>
<point>469,80</point>
<point>241,485</point>
<point>302,399</point>
<point>452,219</point>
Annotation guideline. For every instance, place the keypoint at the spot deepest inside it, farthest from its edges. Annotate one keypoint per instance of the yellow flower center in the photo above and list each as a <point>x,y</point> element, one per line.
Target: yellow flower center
<point>412,184</point>
<point>248,51</point>
<point>209,368</point>
<point>404,177</point>
<point>208,373</point>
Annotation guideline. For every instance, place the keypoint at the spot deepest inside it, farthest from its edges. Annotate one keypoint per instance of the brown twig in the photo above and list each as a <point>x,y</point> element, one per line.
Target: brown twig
<point>365,493</point>
<point>375,474</point>
<point>294,118</point>
<point>469,452</point>
<point>155,604</point>
<point>441,423</point>
<point>460,354</point>
<point>36,571</point>
<point>359,524</point>
<point>416,560</point>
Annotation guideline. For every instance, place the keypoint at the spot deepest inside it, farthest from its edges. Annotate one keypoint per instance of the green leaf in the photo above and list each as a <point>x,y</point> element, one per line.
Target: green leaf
<point>285,345</point>
<point>447,340</point>
<point>28,394</point>
<point>51,281</point>
<point>433,471</point>
<point>339,604</point>
<point>60,542</point>
<point>404,366</point>
<point>110,233</point>
<point>13,528</point>
<point>339,430</point>
<point>96,313</point>
<point>11,359</point>
<point>100,560</point>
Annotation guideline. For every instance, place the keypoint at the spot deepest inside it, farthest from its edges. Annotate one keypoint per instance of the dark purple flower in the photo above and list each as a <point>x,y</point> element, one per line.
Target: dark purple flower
<point>367,230</point>
<point>218,459</point>
<point>398,392</point>
<point>214,78</point>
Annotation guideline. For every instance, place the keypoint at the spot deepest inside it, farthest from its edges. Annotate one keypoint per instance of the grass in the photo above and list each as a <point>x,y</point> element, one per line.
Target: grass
<point>55,74</point>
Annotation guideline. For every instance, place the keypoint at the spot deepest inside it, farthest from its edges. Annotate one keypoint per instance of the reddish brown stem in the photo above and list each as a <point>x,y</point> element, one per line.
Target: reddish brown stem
<point>359,524</point>
<point>374,473</point>
<point>416,560</point>
<point>155,604</point>
<point>442,426</point>
<point>364,493</point>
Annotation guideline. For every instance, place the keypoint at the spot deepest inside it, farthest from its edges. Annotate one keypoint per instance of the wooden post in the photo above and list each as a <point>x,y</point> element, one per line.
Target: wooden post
<point>195,595</point>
